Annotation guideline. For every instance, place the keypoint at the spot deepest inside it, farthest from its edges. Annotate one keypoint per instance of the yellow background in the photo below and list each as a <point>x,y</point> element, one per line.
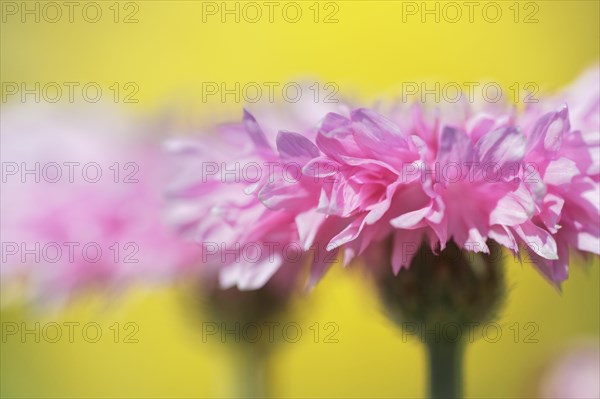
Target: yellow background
<point>168,53</point>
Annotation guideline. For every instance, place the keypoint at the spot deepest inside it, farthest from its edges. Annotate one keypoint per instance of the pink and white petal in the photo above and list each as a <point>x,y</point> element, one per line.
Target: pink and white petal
<point>503,149</point>
<point>411,220</point>
<point>321,167</point>
<point>561,171</point>
<point>504,237</point>
<point>514,208</point>
<point>333,121</point>
<point>283,195</point>
<point>348,234</point>
<point>539,240</point>
<point>253,276</point>
<point>255,132</point>
<point>295,146</point>
<point>379,128</point>
<point>455,148</point>
<point>588,242</point>
<point>550,211</point>
<point>377,212</point>
<point>309,223</point>
<point>547,134</point>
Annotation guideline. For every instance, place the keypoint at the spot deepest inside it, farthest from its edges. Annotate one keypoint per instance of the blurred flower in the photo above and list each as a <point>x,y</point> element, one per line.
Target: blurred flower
<point>573,374</point>
<point>82,204</point>
<point>582,97</point>
<point>219,180</point>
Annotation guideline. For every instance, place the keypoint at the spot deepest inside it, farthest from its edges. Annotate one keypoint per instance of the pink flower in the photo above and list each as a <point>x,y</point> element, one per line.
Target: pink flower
<point>479,174</point>
<point>573,374</point>
<point>376,178</point>
<point>82,204</point>
<point>472,173</point>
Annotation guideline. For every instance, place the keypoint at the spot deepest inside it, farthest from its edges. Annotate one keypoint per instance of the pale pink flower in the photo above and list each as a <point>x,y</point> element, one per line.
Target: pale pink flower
<point>573,374</point>
<point>466,177</point>
<point>362,179</point>
<point>376,178</point>
<point>88,214</point>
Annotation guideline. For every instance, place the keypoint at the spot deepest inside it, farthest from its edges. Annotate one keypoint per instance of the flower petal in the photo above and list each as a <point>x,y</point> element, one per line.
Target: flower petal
<point>256,134</point>
<point>539,240</point>
<point>295,146</point>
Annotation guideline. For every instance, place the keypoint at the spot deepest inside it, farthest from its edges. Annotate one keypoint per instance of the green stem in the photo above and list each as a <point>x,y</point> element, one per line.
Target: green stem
<point>445,369</point>
<point>252,379</point>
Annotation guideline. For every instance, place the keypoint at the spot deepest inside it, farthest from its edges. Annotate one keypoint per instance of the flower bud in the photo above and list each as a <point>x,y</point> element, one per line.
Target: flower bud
<point>454,286</point>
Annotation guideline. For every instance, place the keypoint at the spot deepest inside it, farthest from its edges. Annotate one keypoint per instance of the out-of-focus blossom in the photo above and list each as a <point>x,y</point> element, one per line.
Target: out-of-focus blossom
<point>82,204</point>
<point>582,97</point>
<point>219,180</point>
<point>573,374</point>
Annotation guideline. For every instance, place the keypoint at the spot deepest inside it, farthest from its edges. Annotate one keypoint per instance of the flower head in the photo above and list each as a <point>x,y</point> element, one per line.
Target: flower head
<point>82,204</point>
<point>470,174</point>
